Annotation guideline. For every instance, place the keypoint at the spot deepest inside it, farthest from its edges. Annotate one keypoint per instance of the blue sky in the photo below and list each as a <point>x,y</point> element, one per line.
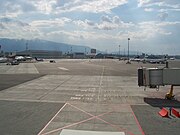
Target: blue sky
<point>152,25</point>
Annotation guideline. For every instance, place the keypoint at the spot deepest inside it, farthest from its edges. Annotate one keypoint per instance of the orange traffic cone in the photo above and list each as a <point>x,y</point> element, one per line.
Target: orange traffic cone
<point>175,112</point>
<point>163,112</point>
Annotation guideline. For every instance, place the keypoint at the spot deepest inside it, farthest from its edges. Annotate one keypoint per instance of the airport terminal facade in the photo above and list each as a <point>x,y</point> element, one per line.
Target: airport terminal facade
<point>41,54</point>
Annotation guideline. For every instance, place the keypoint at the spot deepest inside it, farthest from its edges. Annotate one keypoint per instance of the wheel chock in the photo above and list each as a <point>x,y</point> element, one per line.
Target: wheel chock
<point>163,112</point>
<point>175,112</point>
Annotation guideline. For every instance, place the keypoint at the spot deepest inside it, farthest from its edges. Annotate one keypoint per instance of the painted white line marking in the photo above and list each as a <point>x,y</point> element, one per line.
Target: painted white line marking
<point>100,84</point>
<point>62,68</point>
<point>83,132</point>
<point>52,118</point>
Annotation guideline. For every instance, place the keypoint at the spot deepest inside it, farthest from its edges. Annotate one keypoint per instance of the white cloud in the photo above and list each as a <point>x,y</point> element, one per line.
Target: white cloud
<point>148,9</point>
<point>91,30</point>
<point>14,31</point>
<point>149,30</point>
<point>143,2</point>
<point>113,23</point>
<point>9,21</point>
<point>79,35</point>
<point>168,9</point>
<point>106,26</point>
<point>164,24</point>
<point>82,24</point>
<point>2,26</point>
<point>164,5</point>
<point>44,6</point>
<point>14,8</point>
<point>116,20</point>
<point>17,7</point>
<point>86,24</point>
<point>153,28</point>
<point>105,23</point>
<point>57,22</point>
<point>106,19</point>
<point>138,32</point>
<point>92,6</point>
<point>162,16</point>
<point>90,23</point>
<point>18,29</point>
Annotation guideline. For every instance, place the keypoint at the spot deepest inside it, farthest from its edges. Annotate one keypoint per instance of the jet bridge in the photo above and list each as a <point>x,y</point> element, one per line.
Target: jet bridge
<point>156,77</point>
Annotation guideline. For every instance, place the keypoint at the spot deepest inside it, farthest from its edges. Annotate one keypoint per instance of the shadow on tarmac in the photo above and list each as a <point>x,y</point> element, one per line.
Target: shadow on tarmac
<point>160,102</point>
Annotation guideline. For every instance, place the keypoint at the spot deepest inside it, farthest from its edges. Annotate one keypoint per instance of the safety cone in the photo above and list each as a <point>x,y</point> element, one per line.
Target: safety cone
<point>163,112</point>
<point>175,112</point>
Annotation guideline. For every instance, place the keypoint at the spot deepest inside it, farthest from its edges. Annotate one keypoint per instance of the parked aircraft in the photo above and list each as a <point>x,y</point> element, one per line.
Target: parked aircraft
<point>3,60</point>
<point>137,59</point>
<point>150,59</point>
<point>38,59</point>
<point>20,58</point>
<point>172,58</point>
<point>28,58</point>
<point>155,61</point>
<point>23,58</point>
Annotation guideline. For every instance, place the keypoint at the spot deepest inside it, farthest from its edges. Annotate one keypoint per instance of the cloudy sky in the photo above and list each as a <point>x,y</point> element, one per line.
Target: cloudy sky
<point>152,25</point>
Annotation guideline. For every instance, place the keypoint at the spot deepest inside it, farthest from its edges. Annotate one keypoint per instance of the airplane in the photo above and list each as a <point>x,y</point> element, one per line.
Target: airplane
<point>148,60</point>
<point>3,59</point>
<point>155,61</point>
<point>20,58</point>
<point>28,58</point>
<point>172,58</point>
<point>137,59</point>
<point>38,59</point>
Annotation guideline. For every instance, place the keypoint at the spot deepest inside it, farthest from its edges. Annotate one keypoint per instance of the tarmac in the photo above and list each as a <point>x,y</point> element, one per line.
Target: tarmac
<point>82,96</point>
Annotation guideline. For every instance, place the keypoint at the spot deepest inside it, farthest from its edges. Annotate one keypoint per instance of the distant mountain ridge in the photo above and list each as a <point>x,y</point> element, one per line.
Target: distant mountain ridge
<point>17,45</point>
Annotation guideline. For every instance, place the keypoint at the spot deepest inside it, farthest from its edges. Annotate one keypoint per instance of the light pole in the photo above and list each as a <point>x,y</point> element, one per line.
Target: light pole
<point>119,51</point>
<point>26,47</point>
<point>71,56</point>
<point>128,52</point>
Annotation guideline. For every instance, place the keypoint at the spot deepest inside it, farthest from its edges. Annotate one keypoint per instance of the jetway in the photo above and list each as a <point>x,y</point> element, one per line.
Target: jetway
<point>156,77</point>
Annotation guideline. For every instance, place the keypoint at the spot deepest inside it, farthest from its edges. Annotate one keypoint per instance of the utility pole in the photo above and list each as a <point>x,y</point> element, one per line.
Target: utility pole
<point>0,48</point>
<point>26,47</point>
<point>119,51</point>
<point>128,52</point>
<point>85,53</point>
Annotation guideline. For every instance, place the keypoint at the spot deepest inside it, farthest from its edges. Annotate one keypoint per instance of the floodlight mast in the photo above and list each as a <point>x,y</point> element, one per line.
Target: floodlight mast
<point>119,51</point>
<point>128,52</point>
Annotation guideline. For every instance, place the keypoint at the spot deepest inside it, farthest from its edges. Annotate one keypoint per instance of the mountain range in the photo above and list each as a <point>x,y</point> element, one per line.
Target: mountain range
<point>17,45</point>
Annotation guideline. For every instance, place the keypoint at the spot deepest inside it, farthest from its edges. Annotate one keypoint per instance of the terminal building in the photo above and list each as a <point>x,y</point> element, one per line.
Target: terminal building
<point>78,55</point>
<point>41,54</point>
